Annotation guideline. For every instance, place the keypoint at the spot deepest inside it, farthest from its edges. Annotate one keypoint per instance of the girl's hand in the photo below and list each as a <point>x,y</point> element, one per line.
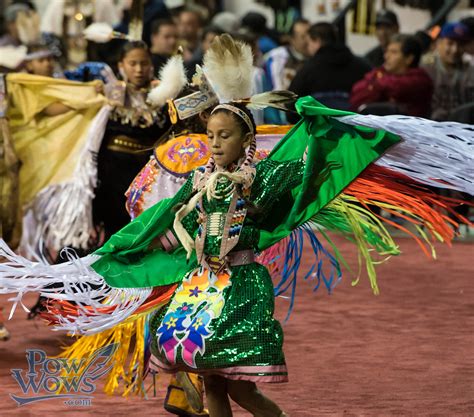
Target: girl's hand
<point>99,88</point>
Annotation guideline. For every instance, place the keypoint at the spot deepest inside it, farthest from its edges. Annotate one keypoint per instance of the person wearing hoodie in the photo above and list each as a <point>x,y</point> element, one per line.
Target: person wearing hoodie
<point>400,83</point>
<point>331,71</point>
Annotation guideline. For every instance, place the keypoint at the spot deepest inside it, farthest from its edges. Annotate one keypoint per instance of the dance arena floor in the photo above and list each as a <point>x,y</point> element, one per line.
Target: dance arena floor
<point>407,352</point>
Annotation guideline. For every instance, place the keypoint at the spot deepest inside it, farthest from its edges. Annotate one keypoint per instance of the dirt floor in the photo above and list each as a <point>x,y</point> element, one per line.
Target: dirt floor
<point>407,352</point>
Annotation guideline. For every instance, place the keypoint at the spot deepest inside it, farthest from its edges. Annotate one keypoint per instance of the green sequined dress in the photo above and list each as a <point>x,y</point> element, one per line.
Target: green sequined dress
<point>222,322</point>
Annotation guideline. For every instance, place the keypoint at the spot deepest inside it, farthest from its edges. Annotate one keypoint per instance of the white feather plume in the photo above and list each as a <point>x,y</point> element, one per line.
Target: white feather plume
<point>101,32</point>
<point>228,65</point>
<point>12,56</point>
<point>172,80</point>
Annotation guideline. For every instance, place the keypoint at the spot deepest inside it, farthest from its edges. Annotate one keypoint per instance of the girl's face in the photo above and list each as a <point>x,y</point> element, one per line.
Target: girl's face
<point>226,140</point>
<point>41,66</point>
<point>137,68</point>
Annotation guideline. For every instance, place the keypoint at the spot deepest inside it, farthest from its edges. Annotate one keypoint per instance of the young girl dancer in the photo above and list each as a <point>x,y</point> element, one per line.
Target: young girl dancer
<point>189,260</point>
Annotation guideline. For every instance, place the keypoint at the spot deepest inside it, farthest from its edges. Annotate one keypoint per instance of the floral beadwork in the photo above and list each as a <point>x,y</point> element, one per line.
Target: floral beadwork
<point>140,185</point>
<point>187,323</point>
<point>183,153</point>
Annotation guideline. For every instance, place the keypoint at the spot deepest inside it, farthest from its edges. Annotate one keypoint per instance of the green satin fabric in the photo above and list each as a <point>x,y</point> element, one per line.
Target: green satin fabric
<point>336,155</point>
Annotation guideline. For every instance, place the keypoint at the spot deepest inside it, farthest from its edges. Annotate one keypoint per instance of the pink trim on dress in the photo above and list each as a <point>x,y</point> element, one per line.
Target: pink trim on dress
<point>168,241</point>
<point>240,373</point>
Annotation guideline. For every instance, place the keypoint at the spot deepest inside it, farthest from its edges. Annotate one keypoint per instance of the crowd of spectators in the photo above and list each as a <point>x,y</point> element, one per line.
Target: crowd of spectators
<point>415,74</point>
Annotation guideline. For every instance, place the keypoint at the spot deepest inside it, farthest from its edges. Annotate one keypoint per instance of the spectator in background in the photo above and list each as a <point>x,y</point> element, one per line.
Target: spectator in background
<point>164,42</point>
<point>331,71</point>
<point>190,25</point>
<point>400,83</point>
<point>386,25</point>
<point>453,79</point>
<point>469,45</point>
<point>257,24</point>
<point>208,35</point>
<point>282,63</point>
<point>426,42</point>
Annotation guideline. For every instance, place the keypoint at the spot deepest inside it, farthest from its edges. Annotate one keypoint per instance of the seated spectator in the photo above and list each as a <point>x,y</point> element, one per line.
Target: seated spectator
<point>331,71</point>
<point>386,25</point>
<point>453,79</point>
<point>164,42</point>
<point>400,81</point>
<point>282,63</point>
<point>190,25</point>
<point>426,42</point>
<point>469,45</point>
<point>257,23</point>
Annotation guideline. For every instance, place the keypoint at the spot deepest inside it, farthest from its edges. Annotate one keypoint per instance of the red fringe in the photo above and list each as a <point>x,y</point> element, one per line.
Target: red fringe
<point>56,308</point>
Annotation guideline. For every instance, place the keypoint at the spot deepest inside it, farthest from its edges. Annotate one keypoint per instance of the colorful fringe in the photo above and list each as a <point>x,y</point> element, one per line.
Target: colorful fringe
<point>351,214</point>
<point>129,360</point>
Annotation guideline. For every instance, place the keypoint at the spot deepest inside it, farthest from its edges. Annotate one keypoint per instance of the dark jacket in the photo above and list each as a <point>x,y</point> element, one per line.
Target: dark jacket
<point>411,92</point>
<point>375,57</point>
<point>159,62</point>
<point>331,72</point>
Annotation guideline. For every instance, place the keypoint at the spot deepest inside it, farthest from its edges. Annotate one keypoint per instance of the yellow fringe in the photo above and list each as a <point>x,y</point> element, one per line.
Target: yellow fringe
<point>130,339</point>
<point>357,217</point>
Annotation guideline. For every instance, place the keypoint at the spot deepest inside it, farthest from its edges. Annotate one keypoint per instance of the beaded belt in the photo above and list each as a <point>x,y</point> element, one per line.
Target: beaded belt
<point>241,257</point>
<point>126,144</point>
<point>237,258</point>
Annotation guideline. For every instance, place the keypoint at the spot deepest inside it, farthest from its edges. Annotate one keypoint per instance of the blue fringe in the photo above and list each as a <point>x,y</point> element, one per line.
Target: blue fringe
<point>292,262</point>
<point>147,352</point>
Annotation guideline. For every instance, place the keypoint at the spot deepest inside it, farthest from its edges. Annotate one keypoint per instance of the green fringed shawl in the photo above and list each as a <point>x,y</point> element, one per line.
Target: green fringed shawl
<point>336,154</point>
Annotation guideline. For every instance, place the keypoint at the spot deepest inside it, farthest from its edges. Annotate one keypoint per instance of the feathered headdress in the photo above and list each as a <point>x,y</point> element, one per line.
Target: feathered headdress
<point>226,75</point>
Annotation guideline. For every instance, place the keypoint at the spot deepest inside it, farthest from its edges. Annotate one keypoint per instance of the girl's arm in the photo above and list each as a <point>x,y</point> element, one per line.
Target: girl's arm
<point>56,109</point>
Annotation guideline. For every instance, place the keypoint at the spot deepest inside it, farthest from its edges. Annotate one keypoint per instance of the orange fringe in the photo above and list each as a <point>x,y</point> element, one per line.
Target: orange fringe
<point>419,205</point>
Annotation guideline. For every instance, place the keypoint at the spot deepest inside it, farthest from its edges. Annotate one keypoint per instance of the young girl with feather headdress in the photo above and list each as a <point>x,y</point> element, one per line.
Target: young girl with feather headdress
<point>187,265</point>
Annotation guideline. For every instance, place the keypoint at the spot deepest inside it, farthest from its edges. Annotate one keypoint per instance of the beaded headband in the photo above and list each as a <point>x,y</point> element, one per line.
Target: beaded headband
<point>238,112</point>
